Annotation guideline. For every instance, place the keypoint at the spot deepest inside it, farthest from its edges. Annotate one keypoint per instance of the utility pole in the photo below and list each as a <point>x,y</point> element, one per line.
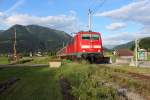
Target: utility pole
<point>14,46</point>
<point>90,20</point>
<point>63,44</point>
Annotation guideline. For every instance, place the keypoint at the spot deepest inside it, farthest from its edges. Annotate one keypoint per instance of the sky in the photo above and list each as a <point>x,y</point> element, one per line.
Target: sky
<point>119,21</point>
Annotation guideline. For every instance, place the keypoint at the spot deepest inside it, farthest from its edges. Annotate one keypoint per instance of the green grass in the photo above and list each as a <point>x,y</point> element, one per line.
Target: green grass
<point>88,82</point>
<point>139,70</point>
<point>121,76</point>
<point>4,60</point>
<point>36,60</point>
<point>148,58</point>
<point>108,53</point>
<point>34,84</point>
<point>42,83</point>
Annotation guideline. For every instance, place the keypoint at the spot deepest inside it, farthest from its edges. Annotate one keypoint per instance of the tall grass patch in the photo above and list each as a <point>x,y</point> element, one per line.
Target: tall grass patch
<point>86,85</point>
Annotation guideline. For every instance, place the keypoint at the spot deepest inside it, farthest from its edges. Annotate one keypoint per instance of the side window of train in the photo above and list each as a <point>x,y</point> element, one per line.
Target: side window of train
<point>72,40</point>
<point>95,37</point>
<point>85,36</point>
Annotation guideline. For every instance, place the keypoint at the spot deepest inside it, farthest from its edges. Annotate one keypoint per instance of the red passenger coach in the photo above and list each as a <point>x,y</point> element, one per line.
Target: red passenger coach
<point>85,45</point>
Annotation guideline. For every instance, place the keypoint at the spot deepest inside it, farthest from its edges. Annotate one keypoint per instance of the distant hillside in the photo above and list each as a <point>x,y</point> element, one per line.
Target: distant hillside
<point>144,43</point>
<point>1,31</point>
<point>32,38</point>
<point>106,49</point>
<point>128,45</point>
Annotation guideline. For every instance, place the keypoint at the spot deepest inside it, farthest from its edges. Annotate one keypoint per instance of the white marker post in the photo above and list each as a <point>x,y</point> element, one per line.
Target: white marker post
<point>136,52</point>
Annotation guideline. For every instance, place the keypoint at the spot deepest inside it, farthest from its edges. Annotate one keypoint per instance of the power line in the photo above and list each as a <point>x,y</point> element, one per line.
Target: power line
<point>92,11</point>
<point>99,6</point>
<point>93,2</point>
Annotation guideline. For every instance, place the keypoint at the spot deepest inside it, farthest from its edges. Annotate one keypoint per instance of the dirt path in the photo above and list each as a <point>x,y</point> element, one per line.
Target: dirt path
<point>23,65</point>
<point>139,76</point>
<point>66,89</point>
<point>7,84</point>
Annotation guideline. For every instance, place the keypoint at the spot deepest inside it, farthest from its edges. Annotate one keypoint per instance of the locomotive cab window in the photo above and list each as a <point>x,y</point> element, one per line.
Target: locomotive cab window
<point>95,37</point>
<point>85,36</point>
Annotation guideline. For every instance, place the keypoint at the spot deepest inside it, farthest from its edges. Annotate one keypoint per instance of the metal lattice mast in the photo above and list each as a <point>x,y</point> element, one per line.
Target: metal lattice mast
<point>90,20</point>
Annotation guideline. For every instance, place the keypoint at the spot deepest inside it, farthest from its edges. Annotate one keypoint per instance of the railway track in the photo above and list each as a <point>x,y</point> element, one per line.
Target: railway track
<point>23,65</point>
<point>139,76</point>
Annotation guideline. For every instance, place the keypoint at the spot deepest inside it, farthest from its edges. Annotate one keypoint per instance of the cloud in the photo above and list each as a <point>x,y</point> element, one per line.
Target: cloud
<point>137,12</point>
<point>118,38</point>
<point>68,23</point>
<point>133,11</point>
<point>15,6</point>
<point>72,12</point>
<point>146,29</point>
<point>115,26</point>
<point>121,38</point>
<point>1,13</point>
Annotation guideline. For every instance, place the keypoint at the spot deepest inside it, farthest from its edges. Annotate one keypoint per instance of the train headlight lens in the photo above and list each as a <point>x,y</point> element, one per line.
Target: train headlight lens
<point>83,50</point>
<point>97,46</point>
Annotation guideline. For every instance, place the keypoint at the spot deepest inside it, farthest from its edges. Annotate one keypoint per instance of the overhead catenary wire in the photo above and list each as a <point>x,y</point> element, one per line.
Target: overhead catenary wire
<point>97,7</point>
<point>92,11</point>
<point>92,3</point>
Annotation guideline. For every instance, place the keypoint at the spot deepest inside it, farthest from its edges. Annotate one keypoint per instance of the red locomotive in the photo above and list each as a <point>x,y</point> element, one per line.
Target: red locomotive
<point>86,45</point>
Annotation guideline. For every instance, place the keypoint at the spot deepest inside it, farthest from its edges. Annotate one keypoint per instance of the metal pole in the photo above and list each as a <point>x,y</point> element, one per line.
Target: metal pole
<point>90,21</point>
<point>63,44</point>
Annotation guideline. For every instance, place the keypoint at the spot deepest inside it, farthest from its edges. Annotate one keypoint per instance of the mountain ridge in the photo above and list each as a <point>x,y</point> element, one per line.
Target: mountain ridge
<point>144,43</point>
<point>32,38</point>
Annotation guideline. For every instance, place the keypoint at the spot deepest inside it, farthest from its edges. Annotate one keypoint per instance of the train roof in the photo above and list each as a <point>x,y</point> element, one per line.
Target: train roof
<point>88,32</point>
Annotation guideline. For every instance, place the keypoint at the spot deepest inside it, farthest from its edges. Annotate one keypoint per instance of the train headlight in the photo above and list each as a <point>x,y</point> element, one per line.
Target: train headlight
<point>98,50</point>
<point>97,46</point>
<point>83,50</point>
